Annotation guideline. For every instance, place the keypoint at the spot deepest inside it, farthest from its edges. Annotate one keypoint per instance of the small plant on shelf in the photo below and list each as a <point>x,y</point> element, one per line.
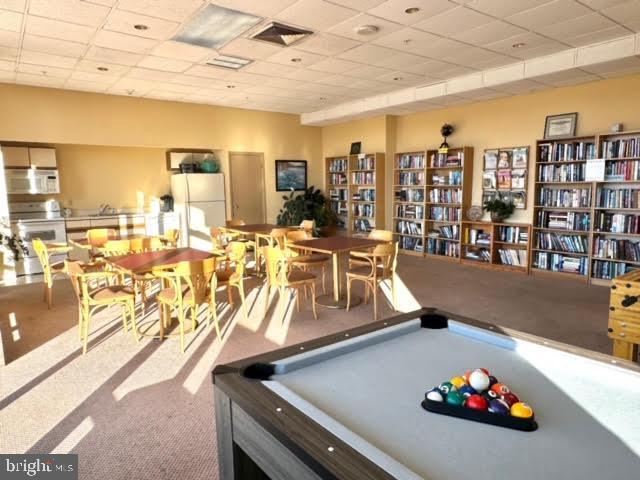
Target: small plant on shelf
<point>499,208</point>
<point>14,244</point>
<point>309,205</point>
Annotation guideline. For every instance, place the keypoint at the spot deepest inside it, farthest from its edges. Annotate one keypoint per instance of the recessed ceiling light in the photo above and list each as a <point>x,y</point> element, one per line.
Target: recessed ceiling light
<point>103,69</point>
<point>227,61</point>
<point>411,10</point>
<point>367,29</point>
<point>518,45</point>
<point>323,98</point>
<point>231,86</point>
<point>141,26</point>
<point>407,41</point>
<point>296,60</point>
<point>397,78</point>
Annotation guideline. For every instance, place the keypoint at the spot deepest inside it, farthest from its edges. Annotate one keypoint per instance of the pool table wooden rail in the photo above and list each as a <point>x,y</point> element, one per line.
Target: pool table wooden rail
<point>258,428</point>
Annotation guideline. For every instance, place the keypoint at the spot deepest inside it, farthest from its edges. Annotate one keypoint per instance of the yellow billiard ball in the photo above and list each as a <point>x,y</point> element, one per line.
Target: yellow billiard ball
<point>521,410</point>
<point>458,382</point>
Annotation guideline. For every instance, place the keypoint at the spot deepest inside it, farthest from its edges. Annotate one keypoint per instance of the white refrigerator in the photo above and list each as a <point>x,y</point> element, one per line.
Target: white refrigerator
<point>199,198</point>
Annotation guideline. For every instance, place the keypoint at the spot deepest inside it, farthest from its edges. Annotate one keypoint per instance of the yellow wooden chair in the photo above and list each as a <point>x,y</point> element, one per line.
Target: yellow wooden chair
<point>306,260</point>
<point>276,237</point>
<point>380,266</point>
<point>308,226</point>
<point>113,248</point>
<point>191,285</point>
<point>233,273</point>
<point>383,235</point>
<point>50,270</point>
<point>281,276</point>
<point>171,237</point>
<point>237,222</point>
<point>142,279</point>
<point>219,239</point>
<point>93,293</point>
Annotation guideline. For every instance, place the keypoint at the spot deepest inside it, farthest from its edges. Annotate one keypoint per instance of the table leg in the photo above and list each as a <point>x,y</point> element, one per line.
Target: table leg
<point>337,274</point>
<point>338,299</point>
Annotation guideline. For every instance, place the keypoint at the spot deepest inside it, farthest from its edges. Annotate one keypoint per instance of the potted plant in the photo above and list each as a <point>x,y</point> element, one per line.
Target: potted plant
<point>13,244</point>
<point>308,205</point>
<point>499,208</point>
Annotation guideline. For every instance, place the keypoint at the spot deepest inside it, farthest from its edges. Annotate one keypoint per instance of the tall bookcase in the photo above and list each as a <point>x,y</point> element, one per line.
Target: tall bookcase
<point>588,230</point>
<point>409,204</point>
<point>355,184</point>
<point>447,197</point>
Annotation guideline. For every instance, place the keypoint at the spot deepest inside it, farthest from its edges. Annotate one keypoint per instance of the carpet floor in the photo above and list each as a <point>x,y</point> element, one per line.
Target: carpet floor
<point>145,411</point>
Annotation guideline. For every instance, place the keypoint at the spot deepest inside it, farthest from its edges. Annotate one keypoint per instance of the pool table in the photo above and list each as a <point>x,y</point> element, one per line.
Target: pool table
<point>347,406</point>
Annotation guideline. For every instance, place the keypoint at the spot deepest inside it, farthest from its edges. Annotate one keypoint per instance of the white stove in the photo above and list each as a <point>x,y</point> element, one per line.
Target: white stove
<point>34,220</point>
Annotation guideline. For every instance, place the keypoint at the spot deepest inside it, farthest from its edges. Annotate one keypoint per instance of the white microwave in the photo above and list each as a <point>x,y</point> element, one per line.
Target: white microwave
<point>32,180</point>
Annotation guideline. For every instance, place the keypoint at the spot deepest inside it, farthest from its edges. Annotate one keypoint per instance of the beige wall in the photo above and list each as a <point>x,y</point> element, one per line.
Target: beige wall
<point>79,119</point>
<point>505,122</point>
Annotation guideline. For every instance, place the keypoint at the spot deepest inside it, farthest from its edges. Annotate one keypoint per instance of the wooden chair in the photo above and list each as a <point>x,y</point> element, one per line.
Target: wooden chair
<point>50,270</point>
<point>281,276</point>
<point>381,265</point>
<point>191,285</point>
<point>142,279</point>
<point>98,236</point>
<point>144,244</point>
<point>276,237</point>
<point>219,239</point>
<point>308,226</point>
<point>235,222</point>
<point>383,235</point>
<point>112,248</point>
<point>305,260</point>
<point>233,273</point>
<point>92,296</point>
<point>171,237</point>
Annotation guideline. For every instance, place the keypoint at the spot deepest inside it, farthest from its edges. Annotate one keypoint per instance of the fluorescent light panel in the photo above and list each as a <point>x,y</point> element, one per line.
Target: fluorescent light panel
<point>215,26</point>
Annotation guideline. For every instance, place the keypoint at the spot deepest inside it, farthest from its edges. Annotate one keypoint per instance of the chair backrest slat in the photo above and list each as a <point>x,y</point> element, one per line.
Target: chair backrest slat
<point>99,236</point>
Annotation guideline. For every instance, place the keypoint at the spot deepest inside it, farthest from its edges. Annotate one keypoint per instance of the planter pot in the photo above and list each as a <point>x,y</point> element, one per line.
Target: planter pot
<point>328,231</point>
<point>497,218</point>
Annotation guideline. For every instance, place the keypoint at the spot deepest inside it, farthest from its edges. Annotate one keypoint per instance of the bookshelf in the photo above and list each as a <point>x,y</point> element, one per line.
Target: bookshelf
<point>498,246</point>
<point>355,184</point>
<point>447,196</point>
<point>409,207</point>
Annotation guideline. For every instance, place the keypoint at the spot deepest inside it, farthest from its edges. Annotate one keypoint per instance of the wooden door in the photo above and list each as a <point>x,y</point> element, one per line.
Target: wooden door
<point>247,187</point>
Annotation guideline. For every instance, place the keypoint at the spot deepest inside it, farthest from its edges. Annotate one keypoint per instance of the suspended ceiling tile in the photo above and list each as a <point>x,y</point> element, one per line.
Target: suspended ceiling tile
<point>394,10</point>
<point>38,58</point>
<point>348,28</point>
<point>303,59</point>
<point>15,5</point>
<point>491,32</point>
<point>72,11</point>
<point>43,70</point>
<point>597,36</point>
<point>9,39</point>
<point>108,55</point>
<point>335,65</point>
<point>182,51</point>
<point>326,44</point>
<point>8,53</point>
<point>208,72</point>
<point>408,40</point>
<point>254,49</point>
<point>503,8</point>
<point>315,14</point>
<point>548,14</point>
<point>39,80</point>
<point>11,21</point>
<point>453,21</point>
<point>92,66</point>
<point>173,10</point>
<point>121,41</point>
<point>268,8</point>
<point>52,45</point>
<point>47,27</point>
<point>124,22</point>
<point>151,75</point>
<point>165,64</point>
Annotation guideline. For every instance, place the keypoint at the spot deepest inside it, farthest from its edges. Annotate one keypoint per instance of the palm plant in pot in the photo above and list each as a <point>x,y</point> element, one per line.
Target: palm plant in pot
<point>499,208</point>
<point>308,205</point>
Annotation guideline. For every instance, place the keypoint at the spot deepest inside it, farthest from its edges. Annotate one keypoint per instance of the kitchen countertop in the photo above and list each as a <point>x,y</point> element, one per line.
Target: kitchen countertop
<point>115,215</point>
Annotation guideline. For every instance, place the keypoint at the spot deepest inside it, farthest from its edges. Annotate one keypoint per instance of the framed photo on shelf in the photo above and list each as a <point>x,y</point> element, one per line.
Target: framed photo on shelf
<point>355,148</point>
<point>291,175</point>
<point>519,199</point>
<point>520,157</point>
<point>560,126</point>
<point>504,159</point>
<point>490,159</point>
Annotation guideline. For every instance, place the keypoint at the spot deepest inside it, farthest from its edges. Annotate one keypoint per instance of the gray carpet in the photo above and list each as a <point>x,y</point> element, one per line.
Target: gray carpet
<point>144,411</point>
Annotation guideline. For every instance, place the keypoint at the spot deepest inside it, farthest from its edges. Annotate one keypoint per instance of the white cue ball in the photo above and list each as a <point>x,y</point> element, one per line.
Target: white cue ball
<point>435,396</point>
<point>479,380</point>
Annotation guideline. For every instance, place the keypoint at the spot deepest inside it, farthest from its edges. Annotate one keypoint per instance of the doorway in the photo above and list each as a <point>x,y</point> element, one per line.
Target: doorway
<point>246,175</point>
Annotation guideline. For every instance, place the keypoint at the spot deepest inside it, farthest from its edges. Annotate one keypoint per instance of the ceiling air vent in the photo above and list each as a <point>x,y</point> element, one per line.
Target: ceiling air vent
<point>227,61</point>
<point>281,34</point>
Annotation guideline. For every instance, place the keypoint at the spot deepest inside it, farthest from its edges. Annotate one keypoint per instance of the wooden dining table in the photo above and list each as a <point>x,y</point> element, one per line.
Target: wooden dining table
<point>254,228</point>
<point>87,245</point>
<point>338,248</point>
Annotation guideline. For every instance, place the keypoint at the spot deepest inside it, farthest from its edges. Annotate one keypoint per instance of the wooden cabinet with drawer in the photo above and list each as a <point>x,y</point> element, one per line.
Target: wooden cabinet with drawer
<point>624,315</point>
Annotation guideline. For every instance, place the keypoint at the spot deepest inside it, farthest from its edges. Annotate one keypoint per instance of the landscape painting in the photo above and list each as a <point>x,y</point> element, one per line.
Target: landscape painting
<point>291,175</point>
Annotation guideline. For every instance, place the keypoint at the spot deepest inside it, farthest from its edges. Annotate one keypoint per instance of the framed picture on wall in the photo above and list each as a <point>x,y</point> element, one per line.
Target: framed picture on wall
<point>520,157</point>
<point>490,159</point>
<point>355,148</point>
<point>560,126</point>
<point>291,175</point>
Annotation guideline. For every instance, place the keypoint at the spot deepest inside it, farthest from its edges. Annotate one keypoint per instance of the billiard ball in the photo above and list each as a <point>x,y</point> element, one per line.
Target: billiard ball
<point>467,390</point>
<point>490,395</point>
<point>498,406</point>
<point>434,395</point>
<point>458,382</point>
<point>500,388</point>
<point>521,410</point>
<point>492,380</point>
<point>479,380</point>
<point>446,387</point>
<point>510,398</point>
<point>477,402</point>
<point>455,398</point>
<point>468,373</point>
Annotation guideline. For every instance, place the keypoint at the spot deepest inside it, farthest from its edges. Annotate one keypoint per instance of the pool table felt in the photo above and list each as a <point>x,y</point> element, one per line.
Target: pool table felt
<point>587,411</point>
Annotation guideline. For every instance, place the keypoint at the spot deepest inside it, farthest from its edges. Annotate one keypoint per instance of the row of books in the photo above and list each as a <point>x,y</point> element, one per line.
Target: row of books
<point>562,243</point>
<point>609,270</point>
<point>477,254</point>
<point>409,195</point>
<point>563,220</point>
<point>475,236</point>
<point>446,195</point>
<point>411,243</point>
<point>338,165</point>
<point>411,178</point>
<point>411,161</point>
<point>367,163</point>
<point>573,172</point>
<point>516,257</point>
<point>366,194</point>
<point>558,262</point>
<point>616,249</point>
<point>565,197</point>
<point>438,246</point>
<point>618,198</point>
<point>339,194</point>
<point>446,160</point>
<point>625,170</point>
<point>616,222</point>
<point>623,148</point>
<point>409,228</point>
<point>451,232</point>
<point>410,211</point>
<point>453,178</point>
<point>338,179</point>
<point>513,235</point>
<point>566,152</point>
<point>362,225</point>
<point>363,178</point>
<point>339,207</point>
<point>445,214</point>
<point>364,210</point>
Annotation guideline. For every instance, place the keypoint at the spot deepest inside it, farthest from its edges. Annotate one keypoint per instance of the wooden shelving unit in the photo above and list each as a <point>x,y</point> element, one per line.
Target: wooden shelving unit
<point>498,246</point>
<point>447,197</point>
<point>409,204</point>
<point>355,185</point>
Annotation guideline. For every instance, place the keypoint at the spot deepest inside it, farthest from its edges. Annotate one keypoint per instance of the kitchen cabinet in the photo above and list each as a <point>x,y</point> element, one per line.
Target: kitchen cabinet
<point>43,157</point>
<point>15,157</point>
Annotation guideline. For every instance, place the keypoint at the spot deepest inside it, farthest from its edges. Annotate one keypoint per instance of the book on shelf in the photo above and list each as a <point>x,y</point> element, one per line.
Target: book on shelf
<point>616,223</point>
<point>362,225</point>
<point>365,195</point>
<point>622,171</point>
<point>573,172</point>
<point>622,148</point>
<point>446,160</point>
<point>563,220</point>
<point>364,210</point>
<point>445,214</point>
<point>565,197</point>
<point>338,165</point>
<point>410,178</point>
<point>516,257</point>
<point>445,195</point>
<point>609,270</point>
<point>411,160</point>
<point>363,178</point>
<point>614,249</point>
<point>338,194</point>
<point>409,228</point>
<point>451,232</point>
<point>452,179</point>
<point>366,163</point>
<point>438,246</point>
<point>410,211</point>
<point>477,254</point>
<point>338,179</point>
<point>566,152</point>
<point>411,243</point>
<point>340,208</point>
<point>476,236</point>
<point>618,198</point>
<point>409,195</point>
<point>562,242</point>
<point>557,262</point>
<point>513,235</point>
